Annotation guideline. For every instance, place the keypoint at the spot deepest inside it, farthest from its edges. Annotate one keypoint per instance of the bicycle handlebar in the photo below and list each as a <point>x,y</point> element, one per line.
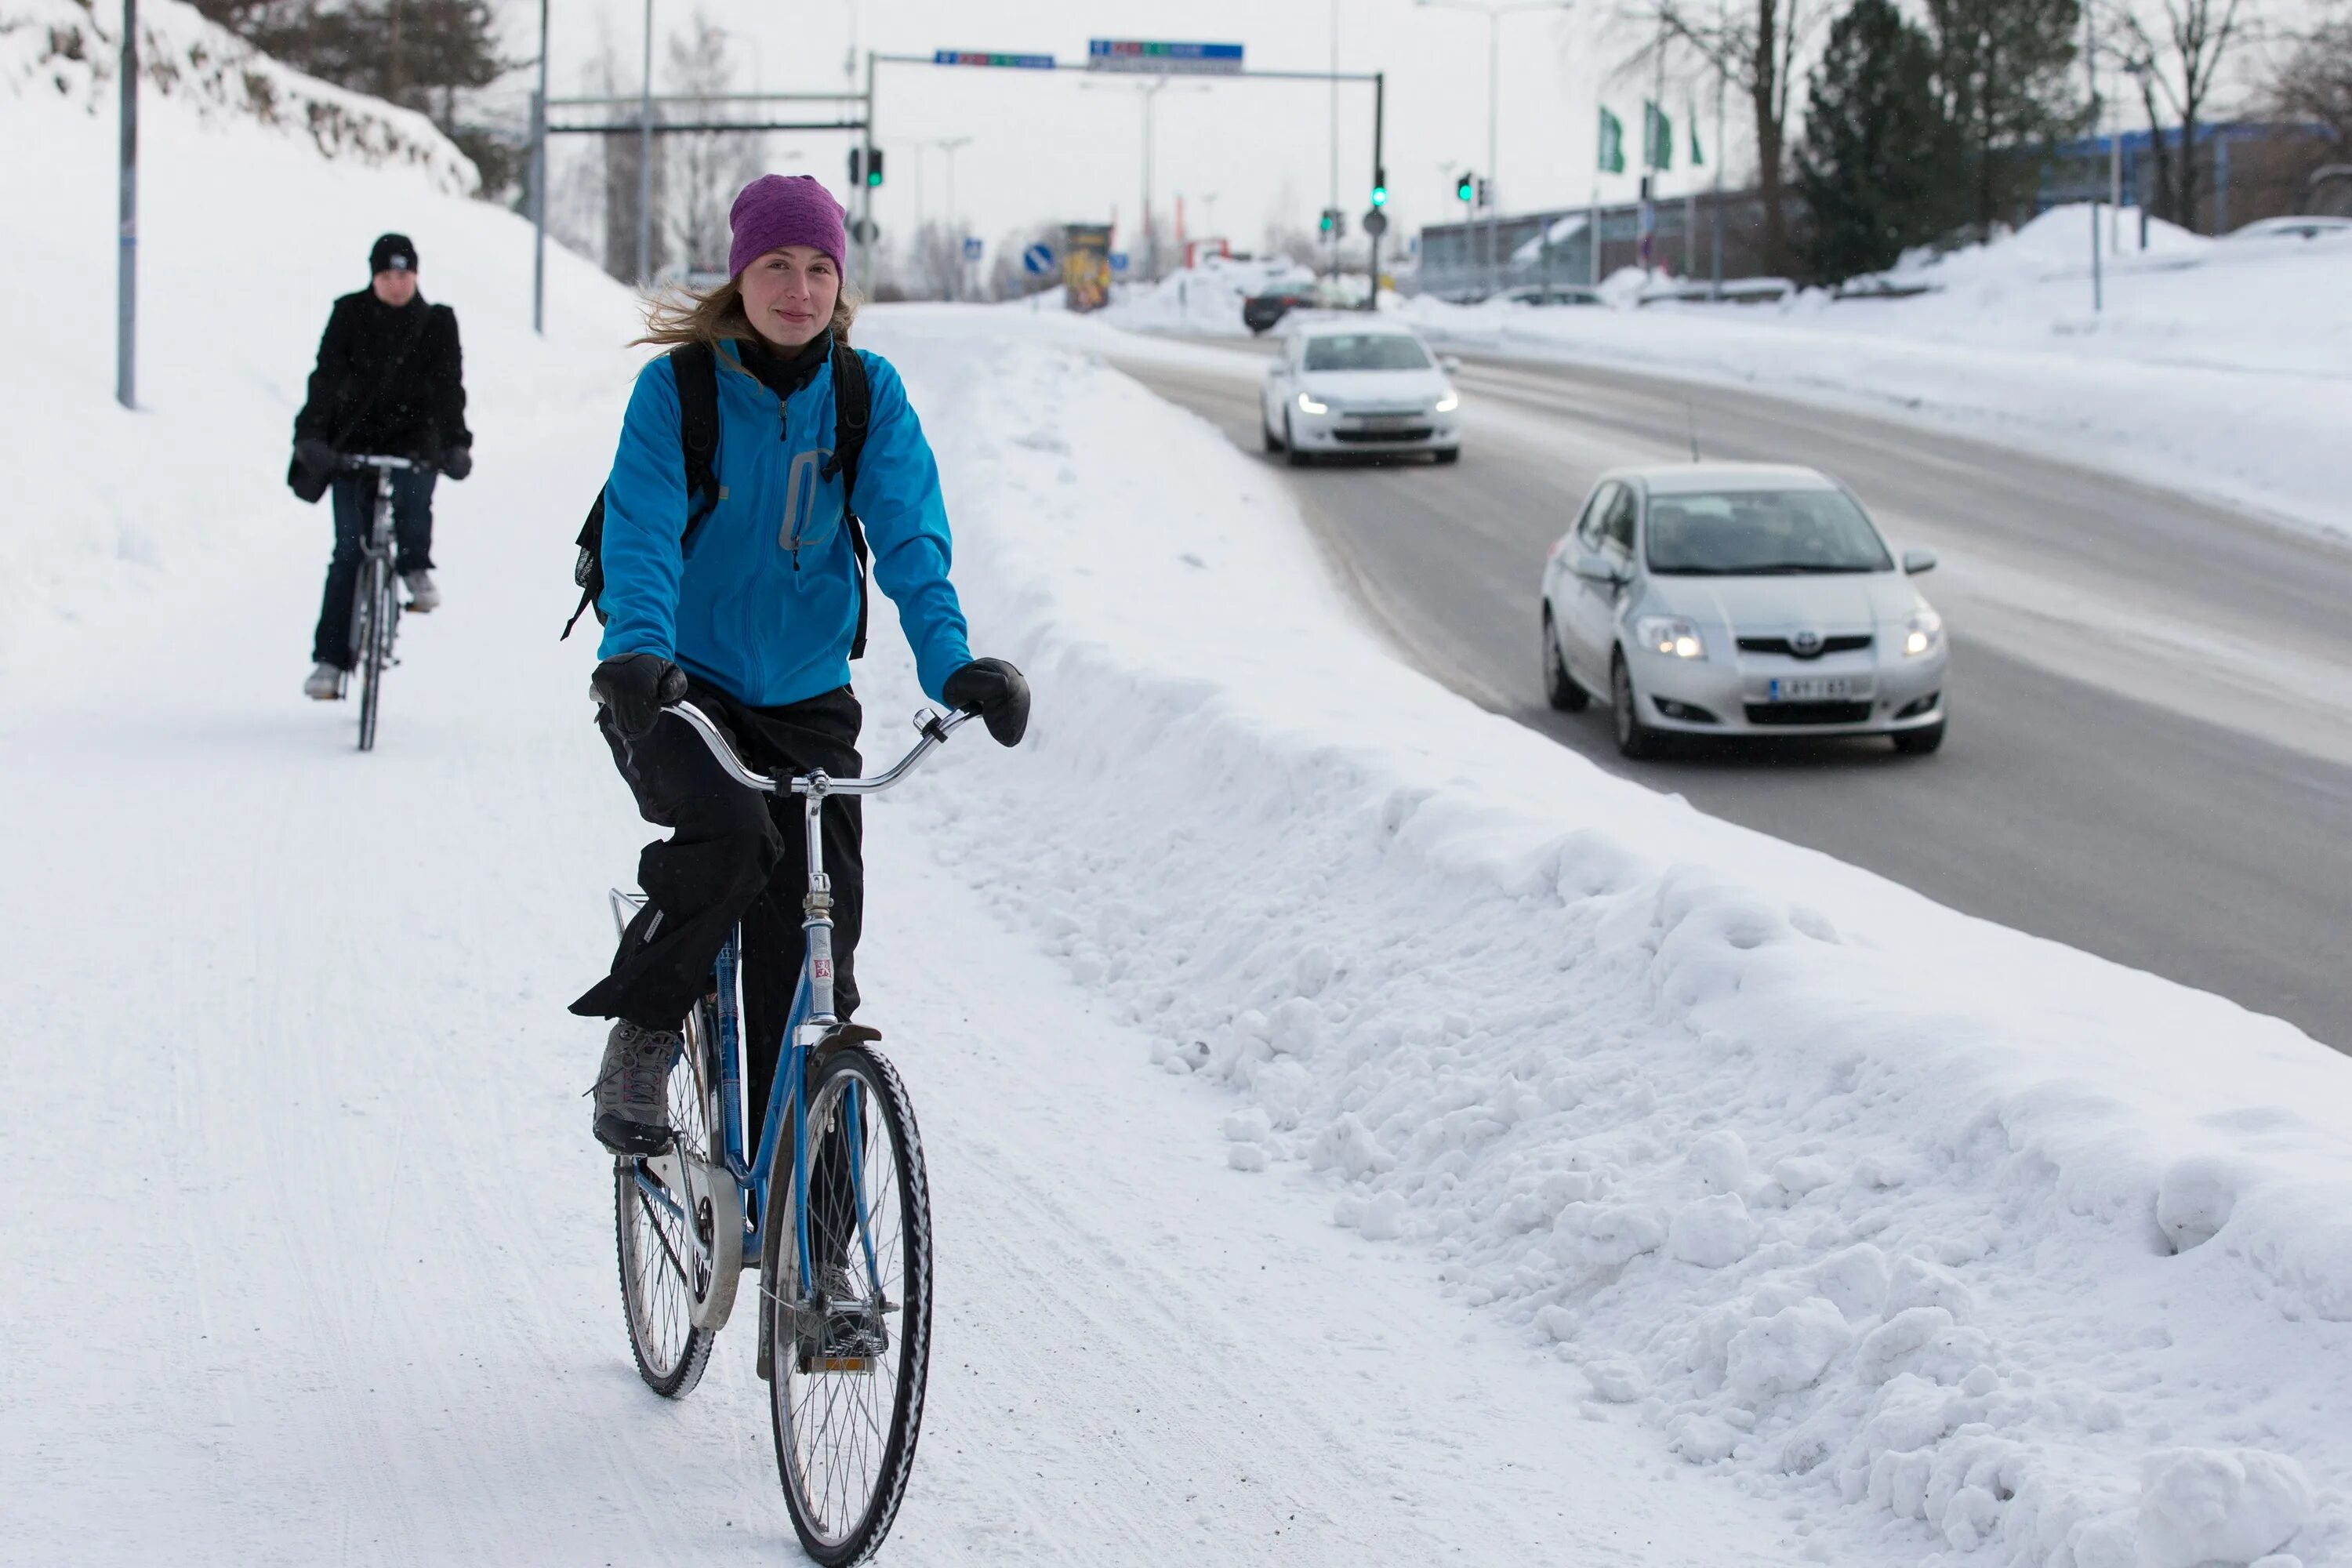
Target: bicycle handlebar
<point>356,461</point>
<point>935,731</point>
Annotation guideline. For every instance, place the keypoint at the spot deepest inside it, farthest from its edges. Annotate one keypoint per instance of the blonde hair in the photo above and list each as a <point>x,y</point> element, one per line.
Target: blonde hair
<point>710,316</point>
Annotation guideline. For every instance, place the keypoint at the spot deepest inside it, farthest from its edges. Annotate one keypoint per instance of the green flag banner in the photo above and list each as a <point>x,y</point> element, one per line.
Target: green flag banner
<point>1613,144</point>
<point>1657,137</point>
<point>1699,159</point>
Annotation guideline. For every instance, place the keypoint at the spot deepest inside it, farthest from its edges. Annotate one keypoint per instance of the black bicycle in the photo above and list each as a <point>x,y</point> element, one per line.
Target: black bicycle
<point>375,602</point>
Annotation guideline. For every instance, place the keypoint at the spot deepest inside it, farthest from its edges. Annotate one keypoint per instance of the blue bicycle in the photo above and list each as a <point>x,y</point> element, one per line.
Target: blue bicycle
<point>832,1203</point>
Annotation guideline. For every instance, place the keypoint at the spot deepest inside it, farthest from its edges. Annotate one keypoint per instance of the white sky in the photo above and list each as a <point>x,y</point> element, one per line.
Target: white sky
<point>1047,146</point>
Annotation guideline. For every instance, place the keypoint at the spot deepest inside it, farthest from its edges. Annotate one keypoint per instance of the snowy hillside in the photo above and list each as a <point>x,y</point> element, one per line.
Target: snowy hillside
<point>1361,1131</point>
<point>2222,367</point>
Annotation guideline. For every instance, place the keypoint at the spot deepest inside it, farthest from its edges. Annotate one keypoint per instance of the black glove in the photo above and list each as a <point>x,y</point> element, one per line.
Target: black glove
<point>635,688</point>
<point>457,462</point>
<point>315,457</point>
<point>995,690</point>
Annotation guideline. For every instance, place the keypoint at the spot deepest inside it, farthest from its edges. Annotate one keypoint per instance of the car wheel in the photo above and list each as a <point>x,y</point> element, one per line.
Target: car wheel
<point>1560,689</point>
<point>1266,432</point>
<point>1298,460</point>
<point>1920,742</point>
<point>1635,739</point>
<point>1445,454</point>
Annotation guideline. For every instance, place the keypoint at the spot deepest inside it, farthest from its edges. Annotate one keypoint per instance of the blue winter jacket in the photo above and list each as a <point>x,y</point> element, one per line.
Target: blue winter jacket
<point>765,604</point>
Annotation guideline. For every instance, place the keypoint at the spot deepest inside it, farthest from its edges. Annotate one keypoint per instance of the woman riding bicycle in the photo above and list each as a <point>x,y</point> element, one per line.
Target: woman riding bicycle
<point>755,619</point>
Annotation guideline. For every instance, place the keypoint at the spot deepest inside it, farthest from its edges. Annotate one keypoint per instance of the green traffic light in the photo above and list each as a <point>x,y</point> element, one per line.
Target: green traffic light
<point>1461,188</point>
<point>1380,196</point>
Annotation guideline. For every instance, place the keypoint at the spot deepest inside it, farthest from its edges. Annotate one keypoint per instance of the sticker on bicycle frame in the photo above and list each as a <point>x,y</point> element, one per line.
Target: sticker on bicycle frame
<point>822,968</point>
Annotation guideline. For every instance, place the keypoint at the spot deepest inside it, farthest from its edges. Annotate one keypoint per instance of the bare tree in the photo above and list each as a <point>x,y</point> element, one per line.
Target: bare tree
<point>2176,56</point>
<point>2312,81</point>
<point>708,167</point>
<point>1754,43</point>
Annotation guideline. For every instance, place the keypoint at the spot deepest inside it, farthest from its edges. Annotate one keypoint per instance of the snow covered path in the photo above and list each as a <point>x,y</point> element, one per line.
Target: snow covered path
<point>328,1276</point>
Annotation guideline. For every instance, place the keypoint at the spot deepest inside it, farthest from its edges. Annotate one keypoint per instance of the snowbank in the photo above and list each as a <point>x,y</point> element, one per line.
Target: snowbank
<point>1879,1210</point>
<point>236,153</point>
<point>1206,297</point>
<point>2218,367</point>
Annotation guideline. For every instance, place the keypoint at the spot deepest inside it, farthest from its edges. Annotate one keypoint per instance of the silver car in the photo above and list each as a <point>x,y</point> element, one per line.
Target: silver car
<point>1357,383</point>
<point>1732,599</point>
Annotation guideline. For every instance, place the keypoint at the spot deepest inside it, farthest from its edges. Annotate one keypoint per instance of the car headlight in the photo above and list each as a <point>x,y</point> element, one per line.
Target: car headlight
<point>1448,402</point>
<point>1306,405</point>
<point>1922,633</point>
<point>1670,635</point>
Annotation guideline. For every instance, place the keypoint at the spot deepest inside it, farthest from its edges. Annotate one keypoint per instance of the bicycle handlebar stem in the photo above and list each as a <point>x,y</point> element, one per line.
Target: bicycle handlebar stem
<point>357,461</point>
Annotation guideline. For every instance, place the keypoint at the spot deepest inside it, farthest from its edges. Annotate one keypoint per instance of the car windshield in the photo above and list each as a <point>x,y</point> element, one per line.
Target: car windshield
<point>1744,533</point>
<point>1365,350</point>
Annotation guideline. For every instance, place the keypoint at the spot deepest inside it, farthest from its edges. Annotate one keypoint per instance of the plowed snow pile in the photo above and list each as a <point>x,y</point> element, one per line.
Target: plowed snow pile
<point>1827,1190</point>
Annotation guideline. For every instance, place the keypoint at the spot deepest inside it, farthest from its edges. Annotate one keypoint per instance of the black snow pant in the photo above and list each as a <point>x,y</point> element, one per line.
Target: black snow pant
<point>412,530</point>
<point>733,854</point>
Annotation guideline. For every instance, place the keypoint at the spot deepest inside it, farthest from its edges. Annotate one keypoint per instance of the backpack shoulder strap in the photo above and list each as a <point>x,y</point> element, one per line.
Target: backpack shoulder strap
<point>696,367</point>
<point>853,409</point>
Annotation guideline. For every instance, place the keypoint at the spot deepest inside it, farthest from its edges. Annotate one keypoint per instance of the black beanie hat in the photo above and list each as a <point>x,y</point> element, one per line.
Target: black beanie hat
<point>392,253</point>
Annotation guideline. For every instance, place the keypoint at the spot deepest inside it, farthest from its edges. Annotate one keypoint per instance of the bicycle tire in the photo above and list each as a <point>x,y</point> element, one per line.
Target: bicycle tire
<point>375,583</point>
<point>804,1394</point>
<point>670,1350</point>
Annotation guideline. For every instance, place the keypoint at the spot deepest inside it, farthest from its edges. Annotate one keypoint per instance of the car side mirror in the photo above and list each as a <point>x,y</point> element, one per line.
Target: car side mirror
<point>1449,364</point>
<point>1598,569</point>
<point>1917,561</point>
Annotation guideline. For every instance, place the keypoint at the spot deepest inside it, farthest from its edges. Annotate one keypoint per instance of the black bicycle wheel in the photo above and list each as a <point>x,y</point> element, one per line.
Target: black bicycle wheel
<point>852,1345</point>
<point>663,1234</point>
<point>374,632</point>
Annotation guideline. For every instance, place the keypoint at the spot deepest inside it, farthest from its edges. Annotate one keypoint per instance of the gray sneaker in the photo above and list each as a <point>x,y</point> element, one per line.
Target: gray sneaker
<point>423,597</point>
<point>326,683</point>
<point>632,1090</point>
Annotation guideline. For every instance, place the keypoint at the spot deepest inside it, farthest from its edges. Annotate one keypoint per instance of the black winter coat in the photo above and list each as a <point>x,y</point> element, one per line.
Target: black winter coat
<point>388,382</point>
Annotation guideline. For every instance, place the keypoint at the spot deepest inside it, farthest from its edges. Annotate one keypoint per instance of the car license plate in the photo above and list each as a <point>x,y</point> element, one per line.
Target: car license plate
<point>1387,421</point>
<point>1814,688</point>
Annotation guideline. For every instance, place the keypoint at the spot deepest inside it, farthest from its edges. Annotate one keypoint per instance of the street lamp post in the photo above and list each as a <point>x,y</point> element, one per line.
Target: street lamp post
<point>646,159</point>
<point>1495,11</point>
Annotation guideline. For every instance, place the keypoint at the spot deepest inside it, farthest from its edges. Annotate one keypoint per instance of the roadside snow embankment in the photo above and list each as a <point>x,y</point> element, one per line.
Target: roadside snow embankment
<point>1855,1199</point>
<point>2223,368</point>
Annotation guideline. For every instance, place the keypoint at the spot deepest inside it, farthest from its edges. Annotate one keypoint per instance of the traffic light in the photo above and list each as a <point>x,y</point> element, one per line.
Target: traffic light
<point>1380,189</point>
<point>861,172</point>
<point>874,168</point>
<point>1327,217</point>
<point>1465,187</point>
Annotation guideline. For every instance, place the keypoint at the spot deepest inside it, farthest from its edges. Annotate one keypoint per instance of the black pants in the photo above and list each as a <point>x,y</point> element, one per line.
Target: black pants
<point>734,856</point>
<point>412,530</point>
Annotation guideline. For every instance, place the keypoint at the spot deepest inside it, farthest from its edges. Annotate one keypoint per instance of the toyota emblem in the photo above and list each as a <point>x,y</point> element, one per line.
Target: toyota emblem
<point>1806,642</point>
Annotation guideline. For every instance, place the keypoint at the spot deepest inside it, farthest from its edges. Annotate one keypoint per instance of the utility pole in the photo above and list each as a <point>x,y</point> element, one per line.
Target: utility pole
<point>1494,10</point>
<point>948,144</point>
<point>2090,70</point>
<point>539,185</point>
<point>126,255</point>
<point>645,160</point>
<point>866,191</point>
<point>1335,141</point>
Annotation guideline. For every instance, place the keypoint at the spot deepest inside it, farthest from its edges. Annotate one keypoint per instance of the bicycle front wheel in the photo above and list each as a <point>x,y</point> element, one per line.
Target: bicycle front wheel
<point>671,1228</point>
<point>851,1330</point>
<point>374,634</point>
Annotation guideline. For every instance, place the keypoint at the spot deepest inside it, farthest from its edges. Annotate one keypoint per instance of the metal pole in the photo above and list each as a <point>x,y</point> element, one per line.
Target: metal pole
<point>1335,142</point>
<point>1494,123</point>
<point>1150,230</point>
<point>539,185</point>
<point>126,256</point>
<point>1380,105</point>
<point>1719,182</point>
<point>2090,70</point>
<point>865,193</point>
<point>646,159</point>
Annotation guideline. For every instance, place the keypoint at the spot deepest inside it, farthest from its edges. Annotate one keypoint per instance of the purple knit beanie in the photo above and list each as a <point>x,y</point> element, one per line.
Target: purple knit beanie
<point>777,210</point>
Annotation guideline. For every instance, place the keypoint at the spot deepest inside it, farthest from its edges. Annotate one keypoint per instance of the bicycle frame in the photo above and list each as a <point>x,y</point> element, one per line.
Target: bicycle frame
<point>812,1017</point>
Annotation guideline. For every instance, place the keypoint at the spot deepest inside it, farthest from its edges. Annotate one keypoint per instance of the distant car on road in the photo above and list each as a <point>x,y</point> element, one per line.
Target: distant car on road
<point>1260,312</point>
<point>1738,599</point>
<point>1554,294</point>
<point>1353,382</point>
<point>2309,226</point>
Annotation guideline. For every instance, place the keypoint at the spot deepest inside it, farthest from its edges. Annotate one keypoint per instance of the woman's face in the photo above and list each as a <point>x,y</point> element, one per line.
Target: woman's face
<point>789,294</point>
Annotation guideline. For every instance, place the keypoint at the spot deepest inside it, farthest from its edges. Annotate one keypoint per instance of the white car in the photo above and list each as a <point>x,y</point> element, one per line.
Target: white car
<point>1356,384</point>
<point>1739,599</point>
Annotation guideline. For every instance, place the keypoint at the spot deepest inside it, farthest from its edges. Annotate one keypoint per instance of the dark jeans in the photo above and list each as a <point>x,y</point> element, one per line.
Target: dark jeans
<point>733,854</point>
<point>412,531</point>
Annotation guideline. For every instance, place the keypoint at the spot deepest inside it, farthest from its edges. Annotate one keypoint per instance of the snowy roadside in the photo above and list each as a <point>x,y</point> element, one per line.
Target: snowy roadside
<point>2220,370</point>
<point>1860,1202</point>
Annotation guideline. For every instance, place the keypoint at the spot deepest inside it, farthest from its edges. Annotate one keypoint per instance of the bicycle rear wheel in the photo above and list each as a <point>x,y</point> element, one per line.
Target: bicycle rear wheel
<point>668,1221</point>
<point>373,633</point>
<point>852,1345</point>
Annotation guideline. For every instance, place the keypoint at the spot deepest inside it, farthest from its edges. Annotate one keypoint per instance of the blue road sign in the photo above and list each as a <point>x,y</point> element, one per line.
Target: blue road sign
<point>1037,258</point>
<point>1157,56</point>
<point>992,58</point>
<point>1118,262</point>
<point>972,248</point>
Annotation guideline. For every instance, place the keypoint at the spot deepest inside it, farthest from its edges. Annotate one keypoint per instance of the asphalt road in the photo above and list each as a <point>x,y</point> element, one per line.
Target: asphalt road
<point>2150,753</point>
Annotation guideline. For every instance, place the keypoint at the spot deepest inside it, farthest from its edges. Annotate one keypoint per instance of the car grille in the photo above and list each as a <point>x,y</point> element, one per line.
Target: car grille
<point>1781,644</point>
<point>1808,712</point>
<point>1407,433</point>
